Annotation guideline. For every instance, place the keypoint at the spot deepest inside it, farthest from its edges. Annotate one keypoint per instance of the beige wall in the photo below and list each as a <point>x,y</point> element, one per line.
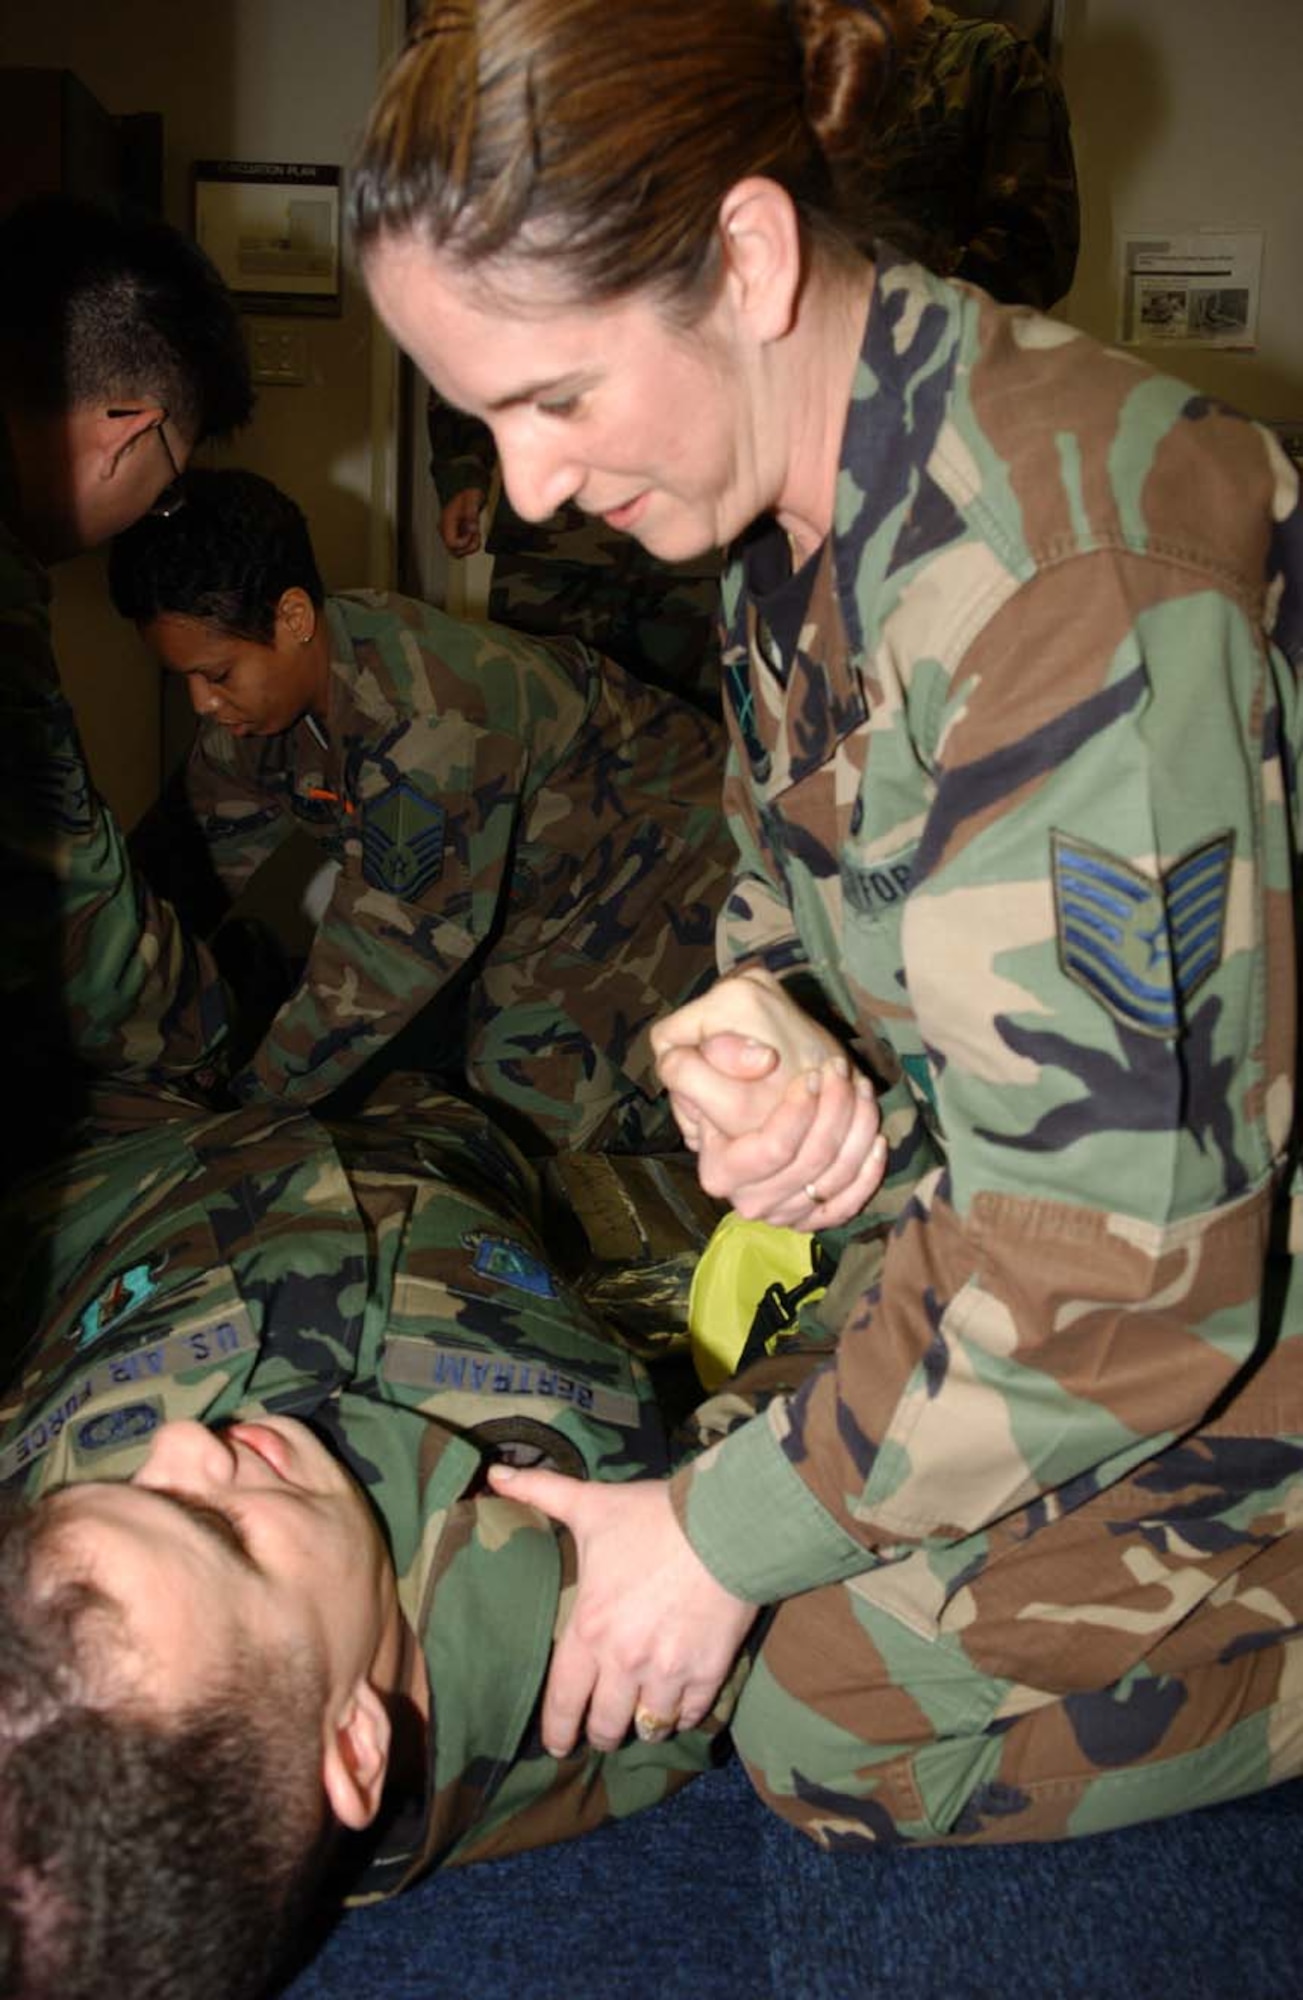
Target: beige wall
<point>240,79</point>
<point>1187,113</point>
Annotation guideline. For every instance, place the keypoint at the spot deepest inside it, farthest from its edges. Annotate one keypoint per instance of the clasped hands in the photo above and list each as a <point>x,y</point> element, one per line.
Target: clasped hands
<point>787,1132</point>
<point>784,1128</point>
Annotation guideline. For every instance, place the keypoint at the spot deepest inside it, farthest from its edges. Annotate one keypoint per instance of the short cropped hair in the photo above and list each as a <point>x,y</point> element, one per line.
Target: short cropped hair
<point>165,1857</point>
<point>226,558</point>
<point>95,309</point>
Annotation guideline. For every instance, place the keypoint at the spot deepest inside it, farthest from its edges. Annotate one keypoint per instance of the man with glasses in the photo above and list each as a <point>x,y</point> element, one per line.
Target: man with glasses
<point>120,350</point>
<point>172,499</point>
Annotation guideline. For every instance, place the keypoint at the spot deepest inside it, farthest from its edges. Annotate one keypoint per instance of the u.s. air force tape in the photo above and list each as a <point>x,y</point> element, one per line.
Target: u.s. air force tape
<point>200,1347</point>
<point>444,1370</point>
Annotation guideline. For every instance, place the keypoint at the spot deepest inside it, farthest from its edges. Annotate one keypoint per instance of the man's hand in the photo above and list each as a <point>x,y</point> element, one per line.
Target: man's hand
<point>754,1007</point>
<point>651,1636</point>
<point>783,1128</point>
<point>459,523</point>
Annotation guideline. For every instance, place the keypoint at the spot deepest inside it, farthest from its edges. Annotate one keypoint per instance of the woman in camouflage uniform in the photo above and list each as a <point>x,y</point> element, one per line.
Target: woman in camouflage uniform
<point>521,828</point>
<point>1012,637</point>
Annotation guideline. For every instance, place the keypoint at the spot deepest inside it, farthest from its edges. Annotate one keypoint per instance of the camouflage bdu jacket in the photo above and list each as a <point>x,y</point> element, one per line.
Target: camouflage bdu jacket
<point>94,970</point>
<point>1014,779</point>
<point>380,1282</point>
<point>512,810</point>
<point>573,574</point>
<point>971,168</point>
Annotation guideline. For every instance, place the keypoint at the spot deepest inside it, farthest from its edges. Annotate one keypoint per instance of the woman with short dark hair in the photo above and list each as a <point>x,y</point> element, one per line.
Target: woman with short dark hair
<point>529,843</point>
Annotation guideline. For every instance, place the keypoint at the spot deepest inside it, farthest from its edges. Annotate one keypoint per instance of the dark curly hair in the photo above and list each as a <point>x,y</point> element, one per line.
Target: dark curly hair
<point>166,1857</point>
<point>97,309</point>
<point>227,557</point>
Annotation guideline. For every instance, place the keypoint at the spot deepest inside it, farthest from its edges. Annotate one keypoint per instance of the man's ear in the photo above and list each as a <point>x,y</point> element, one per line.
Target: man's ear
<point>297,614</point>
<point>112,437</point>
<point>355,1757</point>
<point>760,236</point>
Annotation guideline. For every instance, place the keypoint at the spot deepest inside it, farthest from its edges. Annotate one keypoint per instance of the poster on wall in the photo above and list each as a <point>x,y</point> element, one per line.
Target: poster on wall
<point>272,229</point>
<point>1199,288</point>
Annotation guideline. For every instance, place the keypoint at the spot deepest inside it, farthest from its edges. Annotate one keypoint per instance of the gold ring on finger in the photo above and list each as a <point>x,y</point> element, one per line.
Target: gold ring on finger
<point>649,1727</point>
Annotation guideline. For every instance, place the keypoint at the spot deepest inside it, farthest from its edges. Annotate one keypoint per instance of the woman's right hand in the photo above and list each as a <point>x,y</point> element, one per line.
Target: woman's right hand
<point>784,1128</point>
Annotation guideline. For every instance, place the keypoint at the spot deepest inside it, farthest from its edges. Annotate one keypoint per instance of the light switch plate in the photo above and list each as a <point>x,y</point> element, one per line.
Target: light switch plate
<point>279,354</point>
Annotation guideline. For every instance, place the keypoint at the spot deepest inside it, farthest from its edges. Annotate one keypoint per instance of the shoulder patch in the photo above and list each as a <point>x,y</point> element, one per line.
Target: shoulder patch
<point>402,839</point>
<point>1142,947</point>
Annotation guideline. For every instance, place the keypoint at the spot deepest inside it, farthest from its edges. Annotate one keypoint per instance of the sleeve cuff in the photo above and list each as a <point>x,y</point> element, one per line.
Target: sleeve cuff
<point>755,1523</point>
<point>458,475</point>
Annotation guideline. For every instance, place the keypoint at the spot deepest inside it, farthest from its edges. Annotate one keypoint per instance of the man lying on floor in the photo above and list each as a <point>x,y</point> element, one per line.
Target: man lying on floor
<point>266,1635</point>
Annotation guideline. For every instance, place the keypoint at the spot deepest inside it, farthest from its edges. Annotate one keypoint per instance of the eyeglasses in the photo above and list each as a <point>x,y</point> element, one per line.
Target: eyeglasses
<point>172,499</point>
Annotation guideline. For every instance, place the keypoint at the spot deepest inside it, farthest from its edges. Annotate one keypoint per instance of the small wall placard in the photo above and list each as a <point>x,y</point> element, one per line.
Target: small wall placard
<point>272,229</point>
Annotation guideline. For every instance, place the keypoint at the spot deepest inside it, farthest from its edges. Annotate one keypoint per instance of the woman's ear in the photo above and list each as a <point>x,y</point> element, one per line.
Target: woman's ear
<point>296,614</point>
<point>355,1758</point>
<point>760,236</point>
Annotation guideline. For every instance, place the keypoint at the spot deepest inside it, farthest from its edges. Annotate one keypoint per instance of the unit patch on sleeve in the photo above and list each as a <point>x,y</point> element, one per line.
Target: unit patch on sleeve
<point>402,840</point>
<point>1142,947</point>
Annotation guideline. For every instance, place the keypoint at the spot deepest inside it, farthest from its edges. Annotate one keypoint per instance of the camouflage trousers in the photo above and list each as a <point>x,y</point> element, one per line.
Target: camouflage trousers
<point>859,1730</point>
<point>661,627</point>
<point>862,1729</point>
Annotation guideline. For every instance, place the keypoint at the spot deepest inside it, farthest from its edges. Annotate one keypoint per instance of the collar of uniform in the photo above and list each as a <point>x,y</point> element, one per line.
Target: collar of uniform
<point>365,704</point>
<point>343,670</point>
<point>779,594</point>
<point>899,401</point>
<point>891,428</point>
<point>487,1620</point>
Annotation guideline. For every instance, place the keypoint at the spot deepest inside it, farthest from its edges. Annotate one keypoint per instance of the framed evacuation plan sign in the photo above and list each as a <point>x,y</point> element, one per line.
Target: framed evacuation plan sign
<point>273,230</point>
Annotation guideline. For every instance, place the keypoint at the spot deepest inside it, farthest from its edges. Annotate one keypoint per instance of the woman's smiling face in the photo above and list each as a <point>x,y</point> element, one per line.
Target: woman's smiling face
<point>647,425</point>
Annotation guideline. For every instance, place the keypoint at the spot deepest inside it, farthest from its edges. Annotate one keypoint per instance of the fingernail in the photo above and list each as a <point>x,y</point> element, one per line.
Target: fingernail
<point>863,1088</point>
<point>839,1066</point>
<point>504,1473</point>
<point>814,1081</point>
<point>878,1150</point>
